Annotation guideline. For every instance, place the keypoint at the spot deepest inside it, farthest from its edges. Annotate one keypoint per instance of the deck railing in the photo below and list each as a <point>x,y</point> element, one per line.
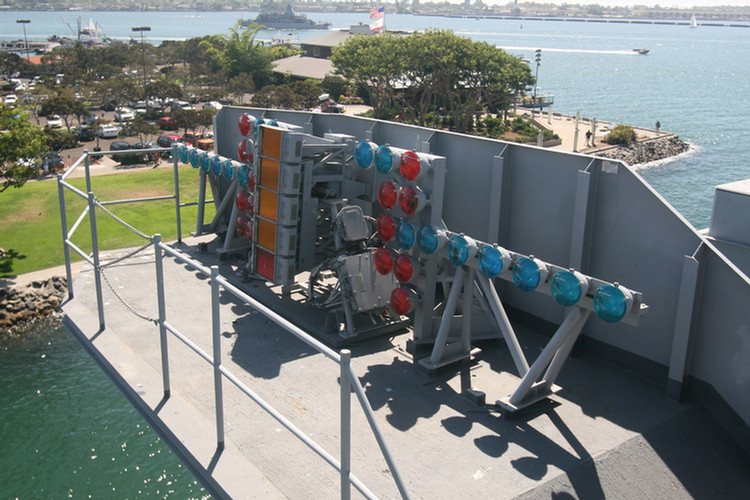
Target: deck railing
<point>349,382</point>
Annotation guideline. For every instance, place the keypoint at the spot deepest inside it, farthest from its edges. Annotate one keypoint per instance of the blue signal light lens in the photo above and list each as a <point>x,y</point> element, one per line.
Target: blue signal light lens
<point>490,261</point>
<point>611,303</point>
<point>257,123</point>
<point>526,274</point>
<point>222,166</point>
<point>273,123</point>
<point>364,154</point>
<point>195,160</point>
<point>214,164</point>
<point>227,169</point>
<point>242,175</point>
<point>406,235</point>
<point>566,288</point>
<point>458,250</point>
<point>185,154</point>
<point>383,159</point>
<point>428,240</point>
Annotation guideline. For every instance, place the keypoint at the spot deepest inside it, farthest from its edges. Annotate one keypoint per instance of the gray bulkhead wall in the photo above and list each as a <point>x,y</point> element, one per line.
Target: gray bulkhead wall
<point>567,210</point>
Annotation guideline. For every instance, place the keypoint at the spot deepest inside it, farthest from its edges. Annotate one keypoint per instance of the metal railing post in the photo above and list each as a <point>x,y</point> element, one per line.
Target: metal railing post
<point>216,326</point>
<point>176,164</point>
<point>162,305</point>
<point>346,424</point>
<point>86,169</point>
<point>64,223</point>
<point>95,256</point>
<point>201,202</point>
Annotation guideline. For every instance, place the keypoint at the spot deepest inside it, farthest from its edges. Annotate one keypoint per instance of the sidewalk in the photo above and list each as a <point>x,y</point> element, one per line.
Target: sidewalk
<point>565,127</point>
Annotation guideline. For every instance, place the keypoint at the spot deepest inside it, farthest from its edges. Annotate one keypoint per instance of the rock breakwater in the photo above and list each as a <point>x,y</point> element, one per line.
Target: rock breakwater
<point>647,151</point>
<point>19,305</point>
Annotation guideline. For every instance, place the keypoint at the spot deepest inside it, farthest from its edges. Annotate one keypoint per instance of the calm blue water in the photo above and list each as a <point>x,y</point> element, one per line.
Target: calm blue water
<point>66,432</point>
<point>696,82</point>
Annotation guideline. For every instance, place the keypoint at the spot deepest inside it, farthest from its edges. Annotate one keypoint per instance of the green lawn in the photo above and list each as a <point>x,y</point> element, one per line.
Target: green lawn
<point>31,232</point>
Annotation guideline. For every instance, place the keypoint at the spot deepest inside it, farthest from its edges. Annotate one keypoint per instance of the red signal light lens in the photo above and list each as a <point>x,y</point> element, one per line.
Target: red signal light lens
<point>404,269</point>
<point>388,195</point>
<point>241,201</point>
<point>242,153</point>
<point>408,200</point>
<point>386,227</point>
<point>410,166</point>
<point>383,261</point>
<point>245,123</point>
<point>402,301</point>
<point>241,227</point>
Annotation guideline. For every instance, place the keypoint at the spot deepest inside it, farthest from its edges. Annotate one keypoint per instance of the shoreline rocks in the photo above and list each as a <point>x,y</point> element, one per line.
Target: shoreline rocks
<point>647,151</point>
<point>19,305</point>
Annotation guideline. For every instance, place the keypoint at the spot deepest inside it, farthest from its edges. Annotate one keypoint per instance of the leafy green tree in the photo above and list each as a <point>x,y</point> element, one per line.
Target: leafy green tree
<point>193,119</point>
<point>239,85</point>
<point>426,71</point>
<point>10,64</point>
<point>162,89</point>
<point>21,146</point>
<point>375,64</point>
<point>238,52</point>
<point>141,127</point>
<point>65,107</point>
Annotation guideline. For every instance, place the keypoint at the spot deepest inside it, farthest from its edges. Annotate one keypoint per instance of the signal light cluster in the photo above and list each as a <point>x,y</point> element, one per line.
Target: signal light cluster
<point>610,302</point>
<point>399,192</point>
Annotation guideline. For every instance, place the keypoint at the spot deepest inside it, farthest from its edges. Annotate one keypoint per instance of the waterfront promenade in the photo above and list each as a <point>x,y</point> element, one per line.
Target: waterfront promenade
<point>565,127</point>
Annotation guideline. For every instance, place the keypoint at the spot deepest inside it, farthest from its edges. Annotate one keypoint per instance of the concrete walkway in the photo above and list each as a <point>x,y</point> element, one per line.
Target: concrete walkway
<point>565,127</point>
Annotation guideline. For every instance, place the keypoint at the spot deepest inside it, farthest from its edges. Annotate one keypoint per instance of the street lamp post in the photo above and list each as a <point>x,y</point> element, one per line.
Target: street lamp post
<point>141,29</point>
<point>24,22</point>
<point>537,58</point>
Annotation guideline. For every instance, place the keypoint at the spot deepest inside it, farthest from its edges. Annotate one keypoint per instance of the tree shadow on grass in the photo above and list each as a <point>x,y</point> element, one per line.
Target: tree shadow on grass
<point>7,259</point>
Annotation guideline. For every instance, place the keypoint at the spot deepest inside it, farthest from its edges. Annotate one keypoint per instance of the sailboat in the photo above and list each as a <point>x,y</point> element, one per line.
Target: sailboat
<point>693,22</point>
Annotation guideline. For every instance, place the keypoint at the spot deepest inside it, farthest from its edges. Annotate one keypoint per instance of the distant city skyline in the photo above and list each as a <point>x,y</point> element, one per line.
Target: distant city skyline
<point>676,4</point>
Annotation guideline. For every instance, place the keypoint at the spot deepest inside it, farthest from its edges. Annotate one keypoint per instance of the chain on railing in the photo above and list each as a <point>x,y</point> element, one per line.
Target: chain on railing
<point>122,222</point>
<point>112,288</point>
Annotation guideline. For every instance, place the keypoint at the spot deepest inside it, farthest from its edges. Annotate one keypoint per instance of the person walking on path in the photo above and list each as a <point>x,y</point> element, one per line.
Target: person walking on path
<point>588,138</point>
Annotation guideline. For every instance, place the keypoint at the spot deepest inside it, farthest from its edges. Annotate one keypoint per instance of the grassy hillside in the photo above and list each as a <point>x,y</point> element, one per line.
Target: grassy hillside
<point>31,233</point>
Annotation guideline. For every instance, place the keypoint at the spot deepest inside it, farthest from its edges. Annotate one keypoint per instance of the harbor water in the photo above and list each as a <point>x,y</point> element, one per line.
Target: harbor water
<point>68,433</point>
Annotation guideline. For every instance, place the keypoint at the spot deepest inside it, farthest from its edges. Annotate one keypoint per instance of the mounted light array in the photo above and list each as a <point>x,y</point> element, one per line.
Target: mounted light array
<point>611,302</point>
<point>404,197</point>
<point>277,198</point>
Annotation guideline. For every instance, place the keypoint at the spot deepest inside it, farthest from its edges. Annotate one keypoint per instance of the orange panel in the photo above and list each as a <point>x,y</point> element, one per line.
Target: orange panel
<point>267,235</point>
<point>271,146</point>
<point>267,204</point>
<point>269,174</point>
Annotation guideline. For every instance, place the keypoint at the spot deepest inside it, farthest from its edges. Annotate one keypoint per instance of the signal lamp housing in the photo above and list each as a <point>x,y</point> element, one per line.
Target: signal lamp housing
<point>364,154</point>
<point>529,273</point>
<point>612,302</point>
<point>403,300</point>
<point>460,249</point>
<point>386,228</point>
<point>567,287</point>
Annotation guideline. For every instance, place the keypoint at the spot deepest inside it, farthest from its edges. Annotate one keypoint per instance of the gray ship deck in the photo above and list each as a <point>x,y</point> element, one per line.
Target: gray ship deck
<point>606,434</point>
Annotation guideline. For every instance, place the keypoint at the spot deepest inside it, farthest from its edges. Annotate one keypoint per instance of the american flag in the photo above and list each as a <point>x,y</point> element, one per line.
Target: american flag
<point>377,17</point>
<point>377,13</point>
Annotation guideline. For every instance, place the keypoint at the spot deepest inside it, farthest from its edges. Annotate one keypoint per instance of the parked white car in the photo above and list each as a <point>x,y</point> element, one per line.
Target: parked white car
<point>124,114</point>
<point>54,121</point>
<point>108,131</point>
<point>10,100</point>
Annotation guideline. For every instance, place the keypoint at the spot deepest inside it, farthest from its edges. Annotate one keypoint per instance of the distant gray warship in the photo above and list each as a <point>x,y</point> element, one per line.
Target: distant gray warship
<point>285,21</point>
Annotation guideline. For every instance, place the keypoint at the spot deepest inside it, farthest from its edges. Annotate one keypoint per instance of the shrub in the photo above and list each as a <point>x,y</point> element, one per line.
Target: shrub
<point>621,134</point>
